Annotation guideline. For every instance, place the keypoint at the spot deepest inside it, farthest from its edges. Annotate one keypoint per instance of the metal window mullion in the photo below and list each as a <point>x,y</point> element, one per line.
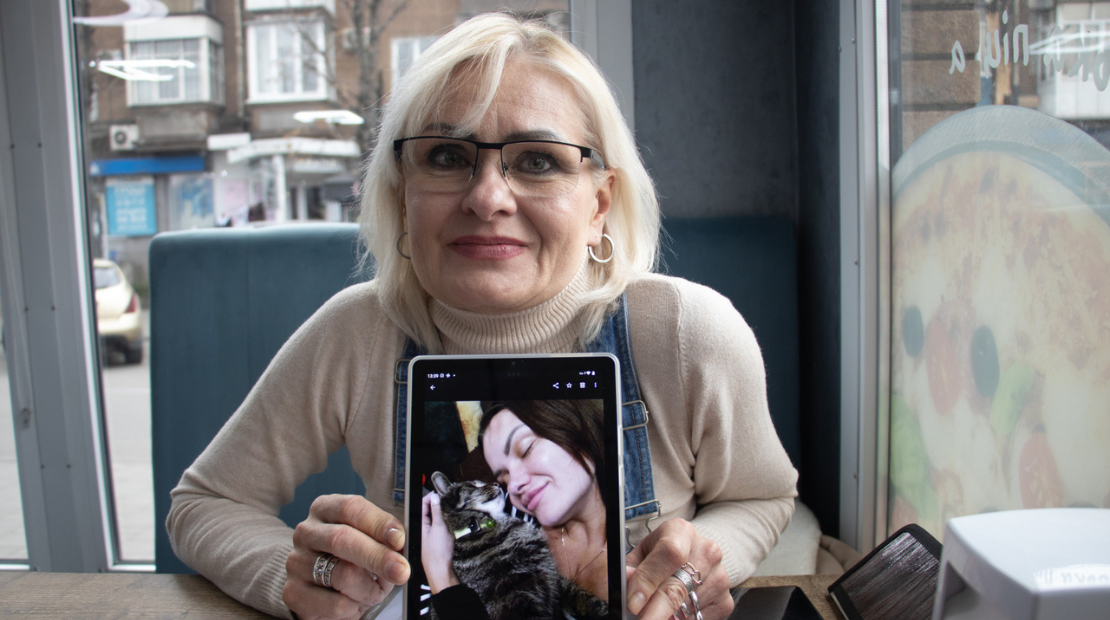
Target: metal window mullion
<point>59,447</point>
<point>298,53</point>
<point>251,63</point>
<point>204,69</point>
<point>132,89</point>
<point>15,343</point>
<point>327,60</point>
<point>880,270</point>
<point>863,178</point>
<point>181,70</point>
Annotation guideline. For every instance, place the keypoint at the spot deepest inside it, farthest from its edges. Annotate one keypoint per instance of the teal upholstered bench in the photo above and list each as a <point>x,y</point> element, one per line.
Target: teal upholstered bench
<point>224,300</point>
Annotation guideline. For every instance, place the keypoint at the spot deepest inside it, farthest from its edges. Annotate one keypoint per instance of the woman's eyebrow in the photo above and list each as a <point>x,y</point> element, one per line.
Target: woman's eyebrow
<point>447,129</point>
<point>509,439</point>
<point>535,134</point>
<point>440,129</point>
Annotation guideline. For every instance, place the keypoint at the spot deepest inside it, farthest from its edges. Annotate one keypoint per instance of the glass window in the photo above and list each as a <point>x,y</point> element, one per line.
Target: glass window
<point>174,71</point>
<point>186,6</point>
<point>191,201</point>
<point>288,60</point>
<point>1000,259</point>
<point>103,277</point>
<point>406,50</point>
<point>264,5</point>
<point>13,539</point>
<point>278,141</point>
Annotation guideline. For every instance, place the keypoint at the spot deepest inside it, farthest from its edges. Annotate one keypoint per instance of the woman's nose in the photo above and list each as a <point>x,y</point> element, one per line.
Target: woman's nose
<point>517,480</point>
<point>488,193</point>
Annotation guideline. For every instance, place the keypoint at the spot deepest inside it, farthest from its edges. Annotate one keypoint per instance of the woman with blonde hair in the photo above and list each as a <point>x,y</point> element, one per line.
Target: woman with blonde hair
<point>507,211</point>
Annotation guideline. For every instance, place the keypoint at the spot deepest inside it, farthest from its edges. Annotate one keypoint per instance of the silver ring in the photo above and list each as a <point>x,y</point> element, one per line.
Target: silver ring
<point>321,571</point>
<point>697,607</point>
<point>694,573</point>
<point>686,579</point>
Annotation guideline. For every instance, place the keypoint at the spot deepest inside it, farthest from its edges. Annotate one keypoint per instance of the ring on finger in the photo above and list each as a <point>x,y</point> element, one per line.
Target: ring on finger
<point>694,573</point>
<point>687,580</point>
<point>321,571</point>
<point>697,607</point>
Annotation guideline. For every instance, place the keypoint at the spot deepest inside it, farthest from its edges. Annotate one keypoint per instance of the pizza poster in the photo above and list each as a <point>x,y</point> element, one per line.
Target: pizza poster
<point>999,319</point>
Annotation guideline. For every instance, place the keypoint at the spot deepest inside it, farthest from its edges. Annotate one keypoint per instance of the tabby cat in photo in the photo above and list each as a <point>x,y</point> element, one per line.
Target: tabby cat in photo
<point>506,560</point>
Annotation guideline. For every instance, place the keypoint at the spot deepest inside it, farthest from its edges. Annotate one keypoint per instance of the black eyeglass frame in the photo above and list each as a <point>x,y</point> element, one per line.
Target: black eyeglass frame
<point>587,152</point>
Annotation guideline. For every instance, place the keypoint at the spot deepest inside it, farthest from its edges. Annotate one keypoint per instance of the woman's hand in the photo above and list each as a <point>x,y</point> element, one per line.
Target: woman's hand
<point>654,593</point>
<point>437,546</point>
<point>368,542</point>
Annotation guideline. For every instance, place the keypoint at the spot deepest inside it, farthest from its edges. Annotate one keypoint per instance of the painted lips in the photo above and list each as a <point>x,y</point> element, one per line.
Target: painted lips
<point>488,248</point>
<point>531,499</point>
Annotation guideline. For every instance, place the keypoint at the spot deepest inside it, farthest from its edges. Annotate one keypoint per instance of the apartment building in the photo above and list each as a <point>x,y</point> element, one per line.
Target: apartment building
<point>242,112</point>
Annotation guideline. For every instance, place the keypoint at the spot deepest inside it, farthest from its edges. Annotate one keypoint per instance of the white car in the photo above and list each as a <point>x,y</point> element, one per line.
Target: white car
<point>118,312</point>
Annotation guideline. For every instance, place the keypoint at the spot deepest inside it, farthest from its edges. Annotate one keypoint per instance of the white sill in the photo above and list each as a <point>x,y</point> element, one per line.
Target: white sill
<point>160,104</point>
<point>286,99</point>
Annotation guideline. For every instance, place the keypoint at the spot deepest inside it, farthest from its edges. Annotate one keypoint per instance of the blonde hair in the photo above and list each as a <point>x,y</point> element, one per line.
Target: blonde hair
<point>478,51</point>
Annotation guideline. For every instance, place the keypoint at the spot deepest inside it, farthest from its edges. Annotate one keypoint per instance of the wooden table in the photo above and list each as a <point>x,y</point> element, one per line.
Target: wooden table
<point>133,596</point>
<point>115,596</point>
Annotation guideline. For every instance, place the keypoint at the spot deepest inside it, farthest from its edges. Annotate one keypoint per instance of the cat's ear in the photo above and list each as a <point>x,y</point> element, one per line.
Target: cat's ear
<point>440,482</point>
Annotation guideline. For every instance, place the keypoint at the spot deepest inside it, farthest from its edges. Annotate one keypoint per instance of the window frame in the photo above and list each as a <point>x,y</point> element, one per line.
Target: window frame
<point>324,61</point>
<point>417,45</point>
<point>209,82</point>
<point>48,298</point>
<point>864,130</point>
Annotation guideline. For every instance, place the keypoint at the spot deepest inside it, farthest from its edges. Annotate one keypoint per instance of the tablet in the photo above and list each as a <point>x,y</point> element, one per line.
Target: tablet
<point>774,603</point>
<point>898,579</point>
<point>512,446</point>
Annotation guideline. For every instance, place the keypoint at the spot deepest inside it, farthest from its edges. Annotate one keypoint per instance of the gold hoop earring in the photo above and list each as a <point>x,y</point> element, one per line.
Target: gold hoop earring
<point>403,255</point>
<point>612,250</point>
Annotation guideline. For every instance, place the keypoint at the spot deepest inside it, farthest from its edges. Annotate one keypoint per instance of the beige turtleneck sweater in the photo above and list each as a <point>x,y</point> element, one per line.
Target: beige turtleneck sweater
<point>716,458</point>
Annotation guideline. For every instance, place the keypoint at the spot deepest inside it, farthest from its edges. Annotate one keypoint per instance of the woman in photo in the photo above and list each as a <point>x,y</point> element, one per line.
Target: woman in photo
<point>549,458</point>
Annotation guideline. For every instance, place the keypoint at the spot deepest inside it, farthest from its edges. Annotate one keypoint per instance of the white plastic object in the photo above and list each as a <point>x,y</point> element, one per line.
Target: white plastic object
<point>1026,565</point>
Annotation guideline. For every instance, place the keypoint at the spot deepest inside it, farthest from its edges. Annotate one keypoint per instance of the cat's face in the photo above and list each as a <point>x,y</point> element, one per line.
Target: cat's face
<point>464,503</point>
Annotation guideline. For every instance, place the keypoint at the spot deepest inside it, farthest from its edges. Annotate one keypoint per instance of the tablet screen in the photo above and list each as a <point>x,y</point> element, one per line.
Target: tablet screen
<point>523,455</point>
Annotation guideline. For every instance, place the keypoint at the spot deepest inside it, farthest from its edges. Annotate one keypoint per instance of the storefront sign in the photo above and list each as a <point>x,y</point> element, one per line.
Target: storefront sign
<point>131,207</point>
<point>191,202</point>
<point>145,165</point>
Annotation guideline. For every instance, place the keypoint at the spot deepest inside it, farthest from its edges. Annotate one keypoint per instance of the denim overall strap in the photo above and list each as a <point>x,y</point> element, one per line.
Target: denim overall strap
<point>639,485</point>
<point>401,379</point>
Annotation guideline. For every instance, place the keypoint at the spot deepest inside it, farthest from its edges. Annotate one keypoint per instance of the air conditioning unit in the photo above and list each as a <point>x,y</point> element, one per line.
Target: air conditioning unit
<point>123,137</point>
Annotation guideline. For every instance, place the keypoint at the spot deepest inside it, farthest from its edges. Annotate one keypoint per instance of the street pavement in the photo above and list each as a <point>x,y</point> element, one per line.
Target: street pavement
<point>127,413</point>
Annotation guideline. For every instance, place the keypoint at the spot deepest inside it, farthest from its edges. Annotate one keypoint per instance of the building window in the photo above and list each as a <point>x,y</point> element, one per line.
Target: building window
<point>1072,85</point>
<point>193,72</point>
<point>405,52</point>
<point>288,61</point>
<point>187,6</point>
<point>286,5</point>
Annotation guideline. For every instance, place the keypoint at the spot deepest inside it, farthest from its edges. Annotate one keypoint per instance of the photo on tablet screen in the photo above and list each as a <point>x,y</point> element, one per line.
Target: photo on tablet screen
<point>513,498</point>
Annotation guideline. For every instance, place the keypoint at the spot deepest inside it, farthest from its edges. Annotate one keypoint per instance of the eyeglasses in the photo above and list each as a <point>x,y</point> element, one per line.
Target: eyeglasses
<point>531,167</point>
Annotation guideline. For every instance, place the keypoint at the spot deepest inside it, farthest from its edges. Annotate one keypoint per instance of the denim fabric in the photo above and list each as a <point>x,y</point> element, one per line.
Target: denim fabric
<point>401,379</point>
<point>639,487</point>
